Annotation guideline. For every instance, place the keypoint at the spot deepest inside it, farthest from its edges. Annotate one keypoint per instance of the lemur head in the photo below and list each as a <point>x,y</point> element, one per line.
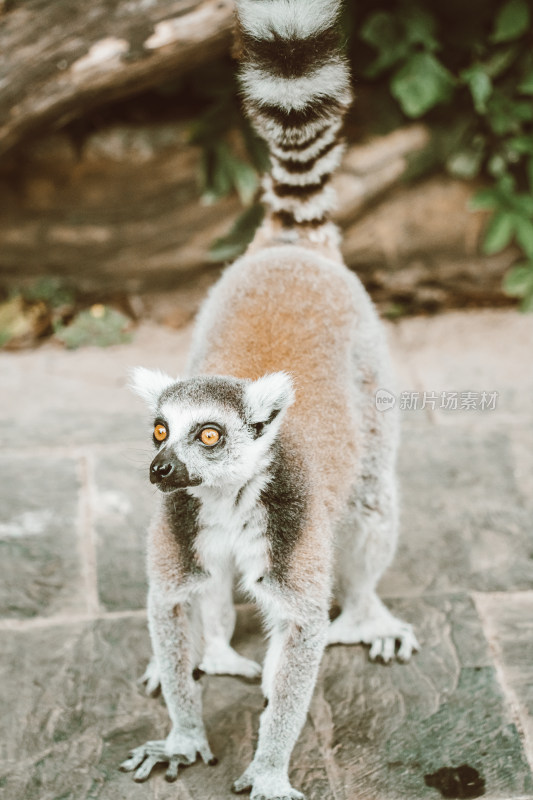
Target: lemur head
<point>211,430</point>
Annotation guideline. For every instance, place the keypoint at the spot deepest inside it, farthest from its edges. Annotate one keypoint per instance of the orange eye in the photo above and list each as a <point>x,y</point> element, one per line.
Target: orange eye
<point>209,436</point>
<point>160,433</point>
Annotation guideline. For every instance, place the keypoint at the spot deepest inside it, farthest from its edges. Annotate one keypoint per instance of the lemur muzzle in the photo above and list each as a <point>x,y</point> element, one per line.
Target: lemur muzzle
<point>169,472</point>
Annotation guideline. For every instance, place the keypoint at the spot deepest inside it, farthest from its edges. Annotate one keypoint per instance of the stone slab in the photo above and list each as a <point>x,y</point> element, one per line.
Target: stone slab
<point>123,500</point>
<point>509,621</point>
<point>465,523</point>
<point>77,397</point>
<point>481,351</point>
<point>40,564</point>
<point>73,710</point>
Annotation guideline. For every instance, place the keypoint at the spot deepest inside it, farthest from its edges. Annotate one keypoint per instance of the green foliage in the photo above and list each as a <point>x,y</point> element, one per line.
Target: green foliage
<point>519,283</point>
<point>512,21</point>
<point>421,84</point>
<point>233,156</point>
<point>99,325</point>
<point>241,234</point>
<point>52,291</point>
<point>466,68</point>
<point>486,80</point>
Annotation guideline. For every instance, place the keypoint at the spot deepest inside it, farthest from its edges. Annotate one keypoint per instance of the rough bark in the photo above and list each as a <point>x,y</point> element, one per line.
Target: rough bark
<point>59,59</point>
<point>126,215</point>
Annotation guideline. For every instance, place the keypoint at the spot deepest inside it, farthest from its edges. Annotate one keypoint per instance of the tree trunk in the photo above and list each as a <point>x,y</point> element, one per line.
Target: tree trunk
<point>59,59</point>
<point>125,215</point>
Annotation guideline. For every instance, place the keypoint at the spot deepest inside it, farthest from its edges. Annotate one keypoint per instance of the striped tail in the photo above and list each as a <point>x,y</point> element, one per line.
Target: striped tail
<point>296,86</point>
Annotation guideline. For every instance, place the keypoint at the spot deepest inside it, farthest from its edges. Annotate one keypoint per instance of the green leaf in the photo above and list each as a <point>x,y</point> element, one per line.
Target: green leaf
<point>522,204</point>
<point>484,200</point>
<point>480,86</point>
<point>526,87</point>
<point>521,144</point>
<point>499,61</point>
<point>98,325</point>
<point>497,166</point>
<point>512,21</point>
<point>506,115</point>
<point>524,235</point>
<point>530,173</point>
<point>244,178</point>
<point>499,233</point>
<point>527,302</point>
<point>216,178</point>
<point>239,237</point>
<point>421,84</point>
<point>519,280</point>
<point>386,33</point>
<point>465,164</point>
<point>256,148</point>
<point>52,291</point>
<point>506,188</point>
<point>420,28</point>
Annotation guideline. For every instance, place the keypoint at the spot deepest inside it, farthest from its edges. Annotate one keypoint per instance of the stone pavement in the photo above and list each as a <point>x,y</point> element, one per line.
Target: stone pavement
<point>74,506</point>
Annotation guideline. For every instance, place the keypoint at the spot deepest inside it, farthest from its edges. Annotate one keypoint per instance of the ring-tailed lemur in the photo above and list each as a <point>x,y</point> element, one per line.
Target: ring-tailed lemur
<point>271,457</point>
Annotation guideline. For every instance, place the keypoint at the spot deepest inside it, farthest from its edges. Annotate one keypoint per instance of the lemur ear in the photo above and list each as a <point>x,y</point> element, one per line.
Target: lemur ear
<point>149,383</point>
<point>267,396</point>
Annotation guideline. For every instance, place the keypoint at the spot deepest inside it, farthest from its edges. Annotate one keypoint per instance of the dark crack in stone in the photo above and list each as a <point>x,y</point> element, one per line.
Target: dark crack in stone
<point>457,782</point>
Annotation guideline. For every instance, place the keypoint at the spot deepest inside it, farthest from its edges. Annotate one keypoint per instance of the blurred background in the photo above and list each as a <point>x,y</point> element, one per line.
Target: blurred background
<point>129,176</point>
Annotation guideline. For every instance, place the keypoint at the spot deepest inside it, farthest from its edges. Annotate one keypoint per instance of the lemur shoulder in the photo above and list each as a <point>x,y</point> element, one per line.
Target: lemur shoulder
<point>272,461</point>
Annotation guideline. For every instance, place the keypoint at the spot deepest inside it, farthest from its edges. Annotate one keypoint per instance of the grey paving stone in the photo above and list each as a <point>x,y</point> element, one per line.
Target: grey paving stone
<point>123,501</point>
<point>66,690</point>
<point>464,522</point>
<point>522,447</point>
<point>39,540</point>
<point>79,397</point>
<point>509,620</point>
<point>74,711</point>
<point>394,725</point>
<point>485,350</point>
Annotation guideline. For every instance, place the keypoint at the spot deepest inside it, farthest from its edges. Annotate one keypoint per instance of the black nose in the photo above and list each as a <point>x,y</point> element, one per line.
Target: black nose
<point>160,471</point>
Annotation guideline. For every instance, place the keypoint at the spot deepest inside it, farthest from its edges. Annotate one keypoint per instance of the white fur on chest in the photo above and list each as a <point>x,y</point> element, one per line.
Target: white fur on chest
<point>232,531</point>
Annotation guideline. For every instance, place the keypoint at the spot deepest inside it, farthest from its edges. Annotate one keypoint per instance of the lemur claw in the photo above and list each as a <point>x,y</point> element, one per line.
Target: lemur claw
<point>382,631</point>
<point>384,648</point>
<point>143,759</point>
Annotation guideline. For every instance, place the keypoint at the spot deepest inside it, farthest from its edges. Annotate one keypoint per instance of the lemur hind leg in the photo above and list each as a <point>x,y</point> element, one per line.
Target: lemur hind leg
<point>366,541</point>
<point>218,621</point>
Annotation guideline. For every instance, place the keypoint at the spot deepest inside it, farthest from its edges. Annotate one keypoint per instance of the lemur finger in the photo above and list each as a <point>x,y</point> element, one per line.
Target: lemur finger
<point>207,756</point>
<point>143,773</point>
<point>173,766</point>
<point>389,646</point>
<point>135,758</point>
<point>294,795</point>
<point>375,650</point>
<point>242,784</point>
<point>408,645</point>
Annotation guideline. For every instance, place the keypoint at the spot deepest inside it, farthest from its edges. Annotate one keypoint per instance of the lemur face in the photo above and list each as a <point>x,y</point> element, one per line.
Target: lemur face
<point>211,430</point>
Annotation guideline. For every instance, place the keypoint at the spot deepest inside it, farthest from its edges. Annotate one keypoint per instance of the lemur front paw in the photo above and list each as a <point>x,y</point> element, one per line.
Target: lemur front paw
<point>177,750</point>
<point>266,785</point>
